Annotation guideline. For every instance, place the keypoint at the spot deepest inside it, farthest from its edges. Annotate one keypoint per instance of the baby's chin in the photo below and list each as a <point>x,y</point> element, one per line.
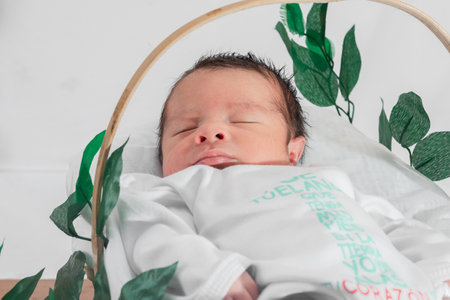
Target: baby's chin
<point>223,166</point>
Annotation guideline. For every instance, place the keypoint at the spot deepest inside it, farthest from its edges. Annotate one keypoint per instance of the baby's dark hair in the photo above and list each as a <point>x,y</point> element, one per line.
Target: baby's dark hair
<point>291,111</point>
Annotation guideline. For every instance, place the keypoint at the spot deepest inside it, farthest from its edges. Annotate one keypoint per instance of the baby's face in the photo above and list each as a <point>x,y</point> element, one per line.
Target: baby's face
<point>225,117</point>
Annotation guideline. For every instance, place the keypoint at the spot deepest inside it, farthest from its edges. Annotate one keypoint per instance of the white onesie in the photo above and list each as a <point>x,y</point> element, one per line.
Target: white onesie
<point>294,229</point>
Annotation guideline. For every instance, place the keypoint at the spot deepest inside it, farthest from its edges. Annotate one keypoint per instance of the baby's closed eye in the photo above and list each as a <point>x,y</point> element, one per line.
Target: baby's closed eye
<point>243,122</point>
<point>184,130</point>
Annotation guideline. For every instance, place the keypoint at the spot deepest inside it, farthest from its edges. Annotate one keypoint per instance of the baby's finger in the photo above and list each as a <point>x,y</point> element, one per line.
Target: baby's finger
<point>250,286</point>
<point>243,295</point>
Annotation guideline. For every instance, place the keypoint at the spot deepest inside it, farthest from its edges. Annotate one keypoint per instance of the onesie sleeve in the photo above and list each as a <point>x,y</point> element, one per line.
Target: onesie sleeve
<point>157,230</point>
<point>419,242</point>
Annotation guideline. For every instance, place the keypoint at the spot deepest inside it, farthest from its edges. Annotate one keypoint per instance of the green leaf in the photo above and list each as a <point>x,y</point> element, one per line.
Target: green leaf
<point>315,36</point>
<point>111,189</point>
<point>315,23</point>
<point>316,40</point>
<point>84,186</point>
<point>408,121</point>
<point>431,156</point>
<point>318,86</point>
<point>292,17</point>
<point>51,295</point>
<point>384,131</point>
<point>1,247</point>
<point>285,37</point>
<point>101,285</point>
<point>64,215</point>
<point>69,279</point>
<point>150,285</point>
<point>24,288</point>
<point>350,64</point>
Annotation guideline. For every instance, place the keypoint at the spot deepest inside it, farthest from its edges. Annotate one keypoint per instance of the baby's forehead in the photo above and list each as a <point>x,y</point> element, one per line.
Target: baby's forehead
<point>256,90</point>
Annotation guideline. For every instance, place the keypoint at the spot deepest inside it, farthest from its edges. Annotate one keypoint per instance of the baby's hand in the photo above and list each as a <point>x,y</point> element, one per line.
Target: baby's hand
<point>244,288</point>
<point>448,283</point>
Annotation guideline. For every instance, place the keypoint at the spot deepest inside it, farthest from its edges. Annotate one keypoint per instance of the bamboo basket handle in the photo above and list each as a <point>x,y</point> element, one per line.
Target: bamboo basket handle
<point>97,242</point>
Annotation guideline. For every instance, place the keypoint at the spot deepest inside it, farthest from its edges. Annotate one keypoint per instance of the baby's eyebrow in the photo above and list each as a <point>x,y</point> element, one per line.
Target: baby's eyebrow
<point>179,119</point>
<point>247,105</point>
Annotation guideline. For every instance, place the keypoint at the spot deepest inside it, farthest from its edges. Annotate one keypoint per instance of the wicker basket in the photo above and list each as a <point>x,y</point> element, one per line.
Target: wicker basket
<point>97,243</point>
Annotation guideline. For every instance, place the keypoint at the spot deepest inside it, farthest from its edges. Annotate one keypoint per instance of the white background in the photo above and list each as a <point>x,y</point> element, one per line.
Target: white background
<point>65,63</point>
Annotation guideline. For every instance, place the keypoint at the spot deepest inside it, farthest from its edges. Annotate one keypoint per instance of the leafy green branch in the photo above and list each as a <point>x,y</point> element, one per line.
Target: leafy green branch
<point>314,72</point>
<point>318,82</point>
<point>152,283</point>
<point>408,124</point>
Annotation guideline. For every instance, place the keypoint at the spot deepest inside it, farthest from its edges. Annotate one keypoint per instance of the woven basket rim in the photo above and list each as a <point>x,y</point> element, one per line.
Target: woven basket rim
<point>158,51</point>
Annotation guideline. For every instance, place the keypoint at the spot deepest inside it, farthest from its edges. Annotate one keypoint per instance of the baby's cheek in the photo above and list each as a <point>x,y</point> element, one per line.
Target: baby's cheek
<point>169,163</point>
<point>175,161</point>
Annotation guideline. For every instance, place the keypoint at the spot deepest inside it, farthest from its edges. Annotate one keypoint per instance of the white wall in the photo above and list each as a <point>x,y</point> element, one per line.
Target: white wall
<point>64,65</point>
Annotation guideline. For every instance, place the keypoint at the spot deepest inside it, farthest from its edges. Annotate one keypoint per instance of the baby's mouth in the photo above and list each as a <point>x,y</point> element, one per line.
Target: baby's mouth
<point>216,160</point>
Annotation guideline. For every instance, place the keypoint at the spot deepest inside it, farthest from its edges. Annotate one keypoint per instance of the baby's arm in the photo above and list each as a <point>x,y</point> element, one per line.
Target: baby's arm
<point>157,229</point>
<point>448,296</point>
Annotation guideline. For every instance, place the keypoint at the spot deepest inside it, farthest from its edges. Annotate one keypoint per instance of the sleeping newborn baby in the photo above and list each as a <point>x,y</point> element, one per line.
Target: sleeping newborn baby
<point>243,221</point>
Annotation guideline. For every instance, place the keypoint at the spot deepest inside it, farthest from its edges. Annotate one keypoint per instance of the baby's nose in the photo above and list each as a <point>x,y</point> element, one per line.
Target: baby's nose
<point>210,135</point>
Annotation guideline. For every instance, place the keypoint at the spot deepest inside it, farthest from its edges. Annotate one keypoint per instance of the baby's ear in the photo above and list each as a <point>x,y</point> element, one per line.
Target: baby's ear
<point>295,149</point>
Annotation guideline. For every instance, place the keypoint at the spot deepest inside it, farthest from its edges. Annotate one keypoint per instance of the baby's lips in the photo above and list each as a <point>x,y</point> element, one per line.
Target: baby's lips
<point>215,157</point>
<point>216,160</point>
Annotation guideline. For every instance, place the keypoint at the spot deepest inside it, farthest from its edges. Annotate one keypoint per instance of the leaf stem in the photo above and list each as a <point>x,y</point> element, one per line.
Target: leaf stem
<point>348,109</point>
<point>340,108</point>
<point>351,106</point>
<point>410,156</point>
<point>353,110</point>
